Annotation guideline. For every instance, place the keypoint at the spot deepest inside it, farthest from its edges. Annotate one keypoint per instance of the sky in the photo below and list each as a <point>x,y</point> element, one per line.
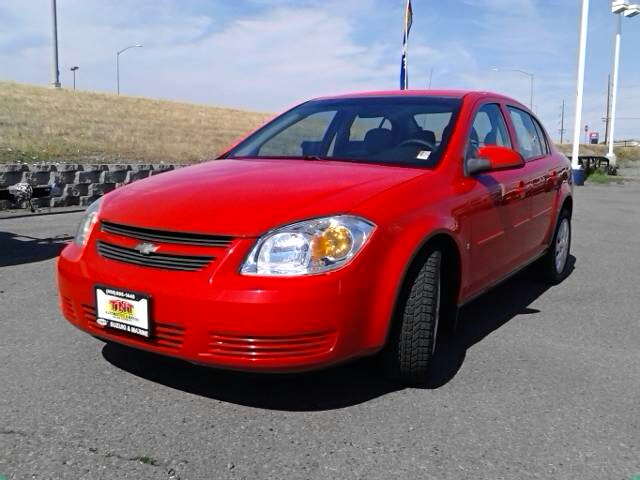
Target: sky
<point>267,55</point>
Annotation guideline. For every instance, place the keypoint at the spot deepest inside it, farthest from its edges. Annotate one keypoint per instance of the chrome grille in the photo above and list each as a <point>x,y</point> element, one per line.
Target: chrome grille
<point>166,236</point>
<point>170,261</point>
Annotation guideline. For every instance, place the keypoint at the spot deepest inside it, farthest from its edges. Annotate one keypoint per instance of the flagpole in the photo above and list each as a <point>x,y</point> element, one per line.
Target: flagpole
<point>406,47</point>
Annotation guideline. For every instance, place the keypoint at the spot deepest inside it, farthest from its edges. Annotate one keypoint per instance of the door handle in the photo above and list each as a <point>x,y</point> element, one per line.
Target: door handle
<point>518,192</point>
<point>521,190</point>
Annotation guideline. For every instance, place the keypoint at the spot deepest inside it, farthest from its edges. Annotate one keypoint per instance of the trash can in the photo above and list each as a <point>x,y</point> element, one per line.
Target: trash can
<point>578,175</point>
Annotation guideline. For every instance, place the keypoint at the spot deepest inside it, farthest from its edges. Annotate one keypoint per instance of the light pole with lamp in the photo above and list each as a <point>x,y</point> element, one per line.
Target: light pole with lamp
<point>530,75</point>
<point>619,8</point>
<point>577,170</point>
<point>137,45</point>
<point>74,70</point>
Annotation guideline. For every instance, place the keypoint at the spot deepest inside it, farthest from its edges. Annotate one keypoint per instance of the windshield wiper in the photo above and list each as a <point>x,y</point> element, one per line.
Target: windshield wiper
<point>314,157</point>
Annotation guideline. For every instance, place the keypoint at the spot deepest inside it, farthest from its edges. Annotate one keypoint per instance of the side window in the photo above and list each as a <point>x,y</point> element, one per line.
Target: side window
<point>530,145</point>
<point>489,128</point>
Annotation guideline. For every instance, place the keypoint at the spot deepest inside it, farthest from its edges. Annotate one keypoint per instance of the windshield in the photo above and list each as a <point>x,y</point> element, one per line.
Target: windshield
<point>408,130</point>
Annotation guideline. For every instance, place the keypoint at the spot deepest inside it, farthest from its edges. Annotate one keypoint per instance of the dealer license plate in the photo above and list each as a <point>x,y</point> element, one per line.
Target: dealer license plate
<point>124,311</point>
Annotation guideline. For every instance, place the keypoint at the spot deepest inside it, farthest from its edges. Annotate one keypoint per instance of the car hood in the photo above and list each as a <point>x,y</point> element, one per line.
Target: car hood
<point>246,197</point>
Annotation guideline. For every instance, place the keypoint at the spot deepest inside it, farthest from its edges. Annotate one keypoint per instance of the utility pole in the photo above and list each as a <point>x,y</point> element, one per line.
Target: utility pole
<point>430,77</point>
<point>608,114</point>
<point>562,130</point>
<point>55,73</point>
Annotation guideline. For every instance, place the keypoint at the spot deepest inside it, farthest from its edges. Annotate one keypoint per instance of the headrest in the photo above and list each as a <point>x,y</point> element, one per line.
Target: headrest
<point>426,135</point>
<point>377,140</point>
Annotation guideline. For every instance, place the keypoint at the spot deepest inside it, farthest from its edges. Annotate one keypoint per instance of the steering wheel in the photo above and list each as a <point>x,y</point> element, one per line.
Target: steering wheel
<point>417,141</point>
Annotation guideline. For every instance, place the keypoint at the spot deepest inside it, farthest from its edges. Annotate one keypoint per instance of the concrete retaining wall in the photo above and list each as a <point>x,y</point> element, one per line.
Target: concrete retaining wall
<point>73,184</point>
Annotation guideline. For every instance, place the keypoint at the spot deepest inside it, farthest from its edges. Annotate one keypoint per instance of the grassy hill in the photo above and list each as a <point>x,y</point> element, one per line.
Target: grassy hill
<point>44,124</point>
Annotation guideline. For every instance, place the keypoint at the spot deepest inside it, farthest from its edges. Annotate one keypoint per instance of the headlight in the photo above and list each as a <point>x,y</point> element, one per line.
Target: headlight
<point>313,246</point>
<point>87,222</point>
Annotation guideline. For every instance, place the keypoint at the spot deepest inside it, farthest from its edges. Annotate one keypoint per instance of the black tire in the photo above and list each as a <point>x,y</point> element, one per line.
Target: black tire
<point>549,270</point>
<point>412,339</point>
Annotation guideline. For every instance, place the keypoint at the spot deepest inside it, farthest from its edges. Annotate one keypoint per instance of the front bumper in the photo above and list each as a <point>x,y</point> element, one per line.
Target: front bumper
<point>220,318</point>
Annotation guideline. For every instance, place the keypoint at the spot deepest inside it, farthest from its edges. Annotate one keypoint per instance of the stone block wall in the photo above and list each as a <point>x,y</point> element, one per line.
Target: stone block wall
<point>73,184</point>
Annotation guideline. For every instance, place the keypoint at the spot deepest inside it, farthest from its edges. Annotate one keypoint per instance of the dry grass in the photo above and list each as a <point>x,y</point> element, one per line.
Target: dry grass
<point>43,124</point>
<point>623,154</point>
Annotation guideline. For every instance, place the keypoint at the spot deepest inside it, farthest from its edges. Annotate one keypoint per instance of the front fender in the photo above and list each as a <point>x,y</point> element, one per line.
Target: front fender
<point>405,241</point>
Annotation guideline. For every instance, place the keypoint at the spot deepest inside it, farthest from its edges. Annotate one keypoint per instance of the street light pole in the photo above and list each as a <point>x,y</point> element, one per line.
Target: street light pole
<point>137,45</point>
<point>528,74</point>
<point>614,93</point>
<point>577,170</point>
<point>619,8</point>
<point>74,69</point>
<point>55,72</point>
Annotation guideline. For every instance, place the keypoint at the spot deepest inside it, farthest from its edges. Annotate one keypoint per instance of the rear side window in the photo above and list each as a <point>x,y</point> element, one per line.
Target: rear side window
<point>543,138</point>
<point>530,144</point>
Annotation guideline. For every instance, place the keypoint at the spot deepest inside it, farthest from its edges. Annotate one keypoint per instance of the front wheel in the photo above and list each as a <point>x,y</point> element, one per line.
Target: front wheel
<point>412,340</point>
<point>554,266</point>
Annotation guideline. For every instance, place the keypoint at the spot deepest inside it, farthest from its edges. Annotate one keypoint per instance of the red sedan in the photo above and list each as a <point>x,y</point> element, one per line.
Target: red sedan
<point>346,226</point>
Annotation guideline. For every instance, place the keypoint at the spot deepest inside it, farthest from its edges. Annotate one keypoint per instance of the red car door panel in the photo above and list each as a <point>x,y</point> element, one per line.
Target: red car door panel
<point>504,210</point>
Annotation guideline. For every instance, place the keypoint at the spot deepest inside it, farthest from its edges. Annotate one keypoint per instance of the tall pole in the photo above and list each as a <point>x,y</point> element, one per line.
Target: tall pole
<point>531,97</point>
<point>55,73</point>
<point>406,46</point>
<point>137,45</point>
<point>562,124</point>
<point>430,77</point>
<point>118,72</point>
<point>608,114</point>
<point>614,94</point>
<point>582,50</point>
<point>74,70</point>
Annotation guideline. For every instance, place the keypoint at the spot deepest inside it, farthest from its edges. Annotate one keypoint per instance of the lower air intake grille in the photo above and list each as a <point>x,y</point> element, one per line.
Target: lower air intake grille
<point>255,348</point>
<point>67,308</point>
<point>155,260</point>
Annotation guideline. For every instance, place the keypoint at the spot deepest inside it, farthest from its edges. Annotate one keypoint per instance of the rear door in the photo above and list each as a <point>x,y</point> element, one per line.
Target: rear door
<point>542,174</point>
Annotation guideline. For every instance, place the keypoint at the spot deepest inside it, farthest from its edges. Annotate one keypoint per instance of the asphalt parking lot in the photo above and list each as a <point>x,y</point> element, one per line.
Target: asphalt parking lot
<point>539,383</point>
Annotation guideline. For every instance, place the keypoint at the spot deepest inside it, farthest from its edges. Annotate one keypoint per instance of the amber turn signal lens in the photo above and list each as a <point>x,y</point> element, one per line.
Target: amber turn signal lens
<point>334,243</point>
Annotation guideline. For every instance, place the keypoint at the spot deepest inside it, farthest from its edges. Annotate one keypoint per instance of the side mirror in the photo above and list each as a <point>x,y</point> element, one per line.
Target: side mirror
<point>494,157</point>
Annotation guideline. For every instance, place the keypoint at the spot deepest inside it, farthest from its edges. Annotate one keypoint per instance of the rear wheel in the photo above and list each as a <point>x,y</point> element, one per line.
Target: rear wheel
<point>554,266</point>
<point>412,341</point>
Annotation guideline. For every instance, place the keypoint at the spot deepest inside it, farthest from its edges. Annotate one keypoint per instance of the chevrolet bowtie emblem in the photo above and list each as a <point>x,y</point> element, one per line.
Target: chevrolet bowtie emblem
<point>146,248</point>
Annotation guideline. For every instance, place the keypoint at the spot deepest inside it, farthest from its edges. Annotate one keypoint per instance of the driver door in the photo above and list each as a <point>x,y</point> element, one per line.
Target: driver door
<point>501,203</point>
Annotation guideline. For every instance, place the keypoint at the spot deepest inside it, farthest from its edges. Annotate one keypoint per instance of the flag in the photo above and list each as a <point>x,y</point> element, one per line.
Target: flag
<point>408,20</point>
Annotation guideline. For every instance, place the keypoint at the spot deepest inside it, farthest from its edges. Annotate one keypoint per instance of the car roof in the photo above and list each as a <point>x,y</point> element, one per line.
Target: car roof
<point>461,94</point>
